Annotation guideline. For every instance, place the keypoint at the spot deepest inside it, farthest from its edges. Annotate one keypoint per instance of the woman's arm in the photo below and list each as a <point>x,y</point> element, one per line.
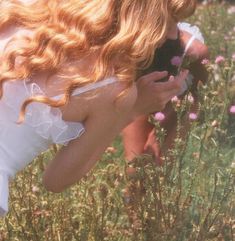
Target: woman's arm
<point>103,123</point>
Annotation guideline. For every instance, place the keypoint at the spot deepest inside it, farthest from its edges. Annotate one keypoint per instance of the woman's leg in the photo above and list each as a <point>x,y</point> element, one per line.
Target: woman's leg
<point>135,136</point>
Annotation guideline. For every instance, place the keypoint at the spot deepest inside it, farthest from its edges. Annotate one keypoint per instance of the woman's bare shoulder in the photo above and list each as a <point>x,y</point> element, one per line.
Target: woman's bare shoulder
<point>197,49</point>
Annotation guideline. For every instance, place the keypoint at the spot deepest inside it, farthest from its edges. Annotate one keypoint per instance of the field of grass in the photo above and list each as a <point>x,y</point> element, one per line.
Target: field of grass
<point>189,199</point>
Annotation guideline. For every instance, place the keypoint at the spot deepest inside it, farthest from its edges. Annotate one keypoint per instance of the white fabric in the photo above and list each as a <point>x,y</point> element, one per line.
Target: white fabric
<point>192,29</point>
<point>20,144</point>
<point>46,121</point>
<point>3,193</point>
<point>90,87</point>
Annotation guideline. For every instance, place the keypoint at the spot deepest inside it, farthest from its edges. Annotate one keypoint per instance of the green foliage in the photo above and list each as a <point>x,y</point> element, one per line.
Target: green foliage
<point>189,198</point>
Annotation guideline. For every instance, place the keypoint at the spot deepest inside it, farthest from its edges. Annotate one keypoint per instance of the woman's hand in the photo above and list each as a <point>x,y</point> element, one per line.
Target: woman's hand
<point>152,96</point>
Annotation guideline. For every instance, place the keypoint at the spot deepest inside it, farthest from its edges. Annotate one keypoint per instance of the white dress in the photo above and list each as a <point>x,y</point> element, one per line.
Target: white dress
<point>43,126</point>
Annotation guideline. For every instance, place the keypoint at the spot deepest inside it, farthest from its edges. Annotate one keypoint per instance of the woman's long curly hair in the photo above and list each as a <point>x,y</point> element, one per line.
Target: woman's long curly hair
<point>124,33</point>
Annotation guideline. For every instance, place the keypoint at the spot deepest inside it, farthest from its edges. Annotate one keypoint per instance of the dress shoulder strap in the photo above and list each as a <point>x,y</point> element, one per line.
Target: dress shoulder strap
<point>94,86</point>
<point>189,43</point>
<point>91,86</point>
<point>194,31</point>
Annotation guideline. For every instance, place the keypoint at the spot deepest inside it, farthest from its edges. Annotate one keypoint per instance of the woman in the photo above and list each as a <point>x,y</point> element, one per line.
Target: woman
<point>69,69</point>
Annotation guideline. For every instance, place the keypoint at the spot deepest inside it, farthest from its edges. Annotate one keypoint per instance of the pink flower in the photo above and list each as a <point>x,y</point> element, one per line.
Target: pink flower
<point>35,189</point>
<point>231,10</point>
<point>232,109</point>
<point>176,61</point>
<point>219,59</point>
<point>205,61</point>
<point>159,116</point>
<point>214,123</point>
<point>110,149</point>
<point>192,116</point>
<point>233,57</point>
<point>175,99</point>
<point>190,99</point>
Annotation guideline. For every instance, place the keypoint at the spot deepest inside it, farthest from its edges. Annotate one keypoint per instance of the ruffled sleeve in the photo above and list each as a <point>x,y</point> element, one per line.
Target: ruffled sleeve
<point>192,29</point>
<point>195,34</point>
<point>46,121</point>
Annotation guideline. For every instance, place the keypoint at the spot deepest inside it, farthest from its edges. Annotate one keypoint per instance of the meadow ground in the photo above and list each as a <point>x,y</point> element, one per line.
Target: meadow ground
<point>189,199</point>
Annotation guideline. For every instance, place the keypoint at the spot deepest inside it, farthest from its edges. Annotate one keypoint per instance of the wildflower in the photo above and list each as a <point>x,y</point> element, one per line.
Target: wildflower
<point>214,123</point>
<point>175,99</point>
<point>192,116</point>
<point>35,189</point>
<point>205,2</point>
<point>233,165</point>
<point>231,10</point>
<point>232,109</point>
<point>233,57</point>
<point>176,61</point>
<point>190,99</point>
<point>205,61</point>
<point>111,149</point>
<point>219,59</point>
<point>159,116</point>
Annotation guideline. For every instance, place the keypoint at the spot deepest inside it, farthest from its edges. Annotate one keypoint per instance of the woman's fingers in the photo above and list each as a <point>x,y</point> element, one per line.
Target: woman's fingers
<point>165,91</point>
<point>174,82</point>
<point>153,77</point>
<point>174,85</point>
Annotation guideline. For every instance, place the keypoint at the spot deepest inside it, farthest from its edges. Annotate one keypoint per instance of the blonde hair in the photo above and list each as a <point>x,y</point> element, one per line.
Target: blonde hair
<point>67,30</point>
<point>181,9</point>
